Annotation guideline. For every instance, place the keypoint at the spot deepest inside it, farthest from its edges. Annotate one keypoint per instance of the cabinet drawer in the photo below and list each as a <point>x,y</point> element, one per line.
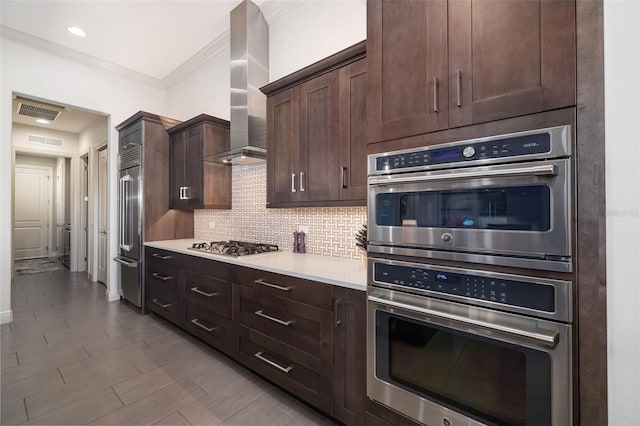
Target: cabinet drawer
<point>161,275</point>
<point>305,291</point>
<point>208,293</point>
<point>163,302</point>
<point>209,327</point>
<point>162,256</point>
<point>305,327</point>
<point>300,373</point>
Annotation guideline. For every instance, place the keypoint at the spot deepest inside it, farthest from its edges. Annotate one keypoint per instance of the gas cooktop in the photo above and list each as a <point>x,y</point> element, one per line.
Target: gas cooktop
<point>233,248</point>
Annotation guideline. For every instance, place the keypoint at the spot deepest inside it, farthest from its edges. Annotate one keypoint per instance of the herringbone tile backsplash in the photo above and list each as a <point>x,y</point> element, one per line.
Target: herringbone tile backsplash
<point>331,229</point>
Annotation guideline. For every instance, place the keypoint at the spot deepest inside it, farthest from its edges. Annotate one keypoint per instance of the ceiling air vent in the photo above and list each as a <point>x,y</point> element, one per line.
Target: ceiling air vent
<point>35,109</point>
<point>43,140</point>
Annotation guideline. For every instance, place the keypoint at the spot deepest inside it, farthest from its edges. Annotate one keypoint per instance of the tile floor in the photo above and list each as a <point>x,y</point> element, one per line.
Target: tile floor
<point>69,357</point>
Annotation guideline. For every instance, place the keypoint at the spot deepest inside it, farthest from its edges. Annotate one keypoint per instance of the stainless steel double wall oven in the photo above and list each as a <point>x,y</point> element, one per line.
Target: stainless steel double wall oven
<point>451,344</point>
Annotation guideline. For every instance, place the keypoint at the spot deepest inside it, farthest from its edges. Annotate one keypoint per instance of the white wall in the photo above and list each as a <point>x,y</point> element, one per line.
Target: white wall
<point>300,34</point>
<point>73,84</point>
<point>622,151</point>
<point>90,138</point>
<point>19,140</point>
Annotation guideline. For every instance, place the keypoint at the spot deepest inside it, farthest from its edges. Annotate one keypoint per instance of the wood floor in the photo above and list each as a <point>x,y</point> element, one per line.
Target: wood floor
<point>69,357</point>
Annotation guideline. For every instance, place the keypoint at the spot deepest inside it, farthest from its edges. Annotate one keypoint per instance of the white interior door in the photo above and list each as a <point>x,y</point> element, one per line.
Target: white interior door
<point>32,212</point>
<point>102,216</point>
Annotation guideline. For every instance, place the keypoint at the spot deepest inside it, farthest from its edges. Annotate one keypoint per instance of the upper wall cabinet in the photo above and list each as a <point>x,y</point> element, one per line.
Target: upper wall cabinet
<point>197,179</point>
<point>407,60</point>
<point>316,133</point>
<point>436,64</point>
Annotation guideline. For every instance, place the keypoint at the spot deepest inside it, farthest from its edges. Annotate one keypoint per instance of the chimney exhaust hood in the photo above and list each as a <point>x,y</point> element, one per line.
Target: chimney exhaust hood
<point>249,43</point>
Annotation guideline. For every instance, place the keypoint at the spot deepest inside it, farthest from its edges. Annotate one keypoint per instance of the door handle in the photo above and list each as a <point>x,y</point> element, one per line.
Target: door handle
<point>458,83</point>
<point>293,182</point>
<point>544,170</point>
<point>343,178</point>
<point>435,94</point>
<point>125,263</point>
<point>301,181</point>
<point>336,306</point>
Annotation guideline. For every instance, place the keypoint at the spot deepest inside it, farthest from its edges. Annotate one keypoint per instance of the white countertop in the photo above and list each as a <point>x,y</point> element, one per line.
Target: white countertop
<point>339,271</point>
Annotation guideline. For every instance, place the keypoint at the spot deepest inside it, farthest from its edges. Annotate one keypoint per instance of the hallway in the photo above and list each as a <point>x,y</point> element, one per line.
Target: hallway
<point>69,357</point>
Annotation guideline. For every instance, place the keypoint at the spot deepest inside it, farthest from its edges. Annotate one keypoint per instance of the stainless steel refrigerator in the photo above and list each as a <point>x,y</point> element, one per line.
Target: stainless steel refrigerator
<point>130,224</point>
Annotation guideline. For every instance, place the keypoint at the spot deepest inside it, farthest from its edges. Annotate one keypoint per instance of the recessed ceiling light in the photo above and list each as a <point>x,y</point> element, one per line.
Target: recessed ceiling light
<point>42,121</point>
<point>77,31</point>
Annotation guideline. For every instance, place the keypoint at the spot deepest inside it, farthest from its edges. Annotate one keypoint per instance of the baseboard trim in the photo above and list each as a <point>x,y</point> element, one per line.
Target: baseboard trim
<point>6,317</point>
<point>112,296</point>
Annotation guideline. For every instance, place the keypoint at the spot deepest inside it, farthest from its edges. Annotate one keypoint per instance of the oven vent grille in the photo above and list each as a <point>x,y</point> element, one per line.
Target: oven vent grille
<point>43,140</point>
<point>38,109</point>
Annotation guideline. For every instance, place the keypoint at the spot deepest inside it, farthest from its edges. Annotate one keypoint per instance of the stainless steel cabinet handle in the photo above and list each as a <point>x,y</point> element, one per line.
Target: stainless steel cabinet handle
<point>187,190</point>
<point>270,318</point>
<point>163,306</point>
<point>273,364</point>
<point>182,192</point>
<point>159,256</point>
<point>435,94</point>
<point>202,326</point>
<point>550,339</point>
<point>259,281</point>
<point>196,290</point>
<point>336,305</point>
<point>344,177</point>
<point>458,82</point>
<point>301,181</point>
<point>162,277</point>
<point>293,182</point>
<point>545,170</point>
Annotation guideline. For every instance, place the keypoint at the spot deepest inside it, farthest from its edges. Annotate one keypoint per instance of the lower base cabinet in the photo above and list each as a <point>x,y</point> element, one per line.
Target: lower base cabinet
<point>307,337</point>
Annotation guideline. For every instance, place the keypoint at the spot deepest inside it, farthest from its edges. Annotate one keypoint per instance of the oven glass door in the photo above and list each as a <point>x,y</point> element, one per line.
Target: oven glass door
<point>516,209</point>
<point>485,379</point>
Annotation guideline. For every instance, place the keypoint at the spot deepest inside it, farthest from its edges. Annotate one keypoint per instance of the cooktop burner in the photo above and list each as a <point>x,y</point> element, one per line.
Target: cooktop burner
<point>234,248</point>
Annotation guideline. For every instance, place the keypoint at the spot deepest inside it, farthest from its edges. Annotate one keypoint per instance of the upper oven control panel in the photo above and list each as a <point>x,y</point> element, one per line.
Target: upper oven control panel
<point>544,143</point>
<point>536,294</point>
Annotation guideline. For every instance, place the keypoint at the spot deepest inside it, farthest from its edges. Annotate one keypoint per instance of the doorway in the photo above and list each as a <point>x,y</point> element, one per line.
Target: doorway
<point>33,211</point>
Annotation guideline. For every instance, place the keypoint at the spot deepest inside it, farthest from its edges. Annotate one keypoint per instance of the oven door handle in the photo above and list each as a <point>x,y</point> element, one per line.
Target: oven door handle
<point>547,339</point>
<point>543,170</point>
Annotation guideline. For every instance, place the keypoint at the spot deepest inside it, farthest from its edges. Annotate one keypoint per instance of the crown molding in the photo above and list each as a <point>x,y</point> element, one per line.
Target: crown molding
<point>59,50</point>
<point>196,61</point>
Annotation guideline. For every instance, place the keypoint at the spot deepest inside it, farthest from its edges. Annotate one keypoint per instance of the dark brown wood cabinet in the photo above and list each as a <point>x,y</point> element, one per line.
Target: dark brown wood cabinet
<point>407,60</point>
<point>349,356</point>
<point>434,65</point>
<point>510,58</point>
<point>198,179</point>
<point>316,127</point>
<point>306,336</point>
<point>285,332</point>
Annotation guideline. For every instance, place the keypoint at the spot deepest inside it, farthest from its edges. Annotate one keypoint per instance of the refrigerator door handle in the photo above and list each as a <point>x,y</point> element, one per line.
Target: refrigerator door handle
<point>125,220</point>
<point>125,263</point>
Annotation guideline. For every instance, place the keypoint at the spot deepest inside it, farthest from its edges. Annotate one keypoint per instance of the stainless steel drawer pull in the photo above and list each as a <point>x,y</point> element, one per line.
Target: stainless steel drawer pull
<point>159,256</point>
<point>273,364</point>
<point>196,290</point>
<point>259,281</point>
<point>458,78</point>
<point>336,318</point>
<point>162,277</point>
<point>270,318</point>
<point>202,326</point>
<point>163,306</point>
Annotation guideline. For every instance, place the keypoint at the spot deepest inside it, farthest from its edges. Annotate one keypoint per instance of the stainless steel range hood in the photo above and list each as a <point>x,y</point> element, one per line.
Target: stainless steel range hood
<point>249,40</point>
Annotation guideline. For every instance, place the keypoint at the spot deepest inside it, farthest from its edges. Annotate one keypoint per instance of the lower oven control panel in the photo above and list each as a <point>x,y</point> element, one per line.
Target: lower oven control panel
<point>495,289</point>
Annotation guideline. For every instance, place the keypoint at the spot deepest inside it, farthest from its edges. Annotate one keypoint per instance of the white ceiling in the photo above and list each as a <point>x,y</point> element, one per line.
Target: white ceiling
<point>149,37</point>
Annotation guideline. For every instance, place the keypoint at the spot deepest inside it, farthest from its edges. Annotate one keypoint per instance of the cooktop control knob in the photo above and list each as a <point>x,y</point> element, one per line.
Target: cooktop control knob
<point>469,152</point>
